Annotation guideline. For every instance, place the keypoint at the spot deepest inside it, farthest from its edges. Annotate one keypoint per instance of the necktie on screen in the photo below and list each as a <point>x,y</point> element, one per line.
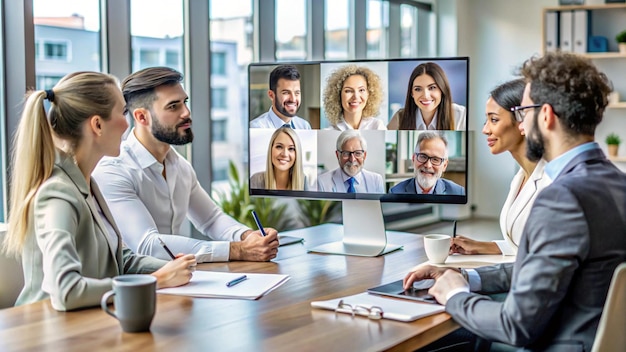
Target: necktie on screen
<point>351,185</point>
<point>290,125</point>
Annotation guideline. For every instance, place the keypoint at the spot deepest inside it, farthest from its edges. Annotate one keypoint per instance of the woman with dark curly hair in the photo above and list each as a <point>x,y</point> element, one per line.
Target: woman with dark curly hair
<point>352,99</point>
<point>428,104</point>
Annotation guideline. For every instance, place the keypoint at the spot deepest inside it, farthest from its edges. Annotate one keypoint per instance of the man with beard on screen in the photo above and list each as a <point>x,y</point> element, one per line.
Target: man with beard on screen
<point>430,161</point>
<point>350,176</point>
<point>285,95</point>
<point>151,189</point>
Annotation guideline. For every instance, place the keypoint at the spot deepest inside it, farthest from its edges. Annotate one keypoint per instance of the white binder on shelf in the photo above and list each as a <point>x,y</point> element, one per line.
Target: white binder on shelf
<point>552,31</point>
<point>581,29</point>
<point>565,31</point>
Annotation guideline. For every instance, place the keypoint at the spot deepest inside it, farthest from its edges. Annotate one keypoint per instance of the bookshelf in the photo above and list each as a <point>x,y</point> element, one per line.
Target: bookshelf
<point>604,20</point>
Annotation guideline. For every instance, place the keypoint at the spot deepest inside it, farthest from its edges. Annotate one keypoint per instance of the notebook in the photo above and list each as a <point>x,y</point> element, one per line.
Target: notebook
<point>392,308</point>
<point>212,284</point>
<point>286,240</point>
<point>419,292</point>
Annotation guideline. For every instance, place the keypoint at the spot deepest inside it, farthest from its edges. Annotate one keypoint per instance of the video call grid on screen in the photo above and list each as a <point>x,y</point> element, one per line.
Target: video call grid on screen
<point>389,152</point>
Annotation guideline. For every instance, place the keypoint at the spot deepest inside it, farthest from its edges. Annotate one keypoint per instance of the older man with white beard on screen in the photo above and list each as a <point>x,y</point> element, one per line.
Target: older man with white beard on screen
<point>350,176</point>
<point>430,160</point>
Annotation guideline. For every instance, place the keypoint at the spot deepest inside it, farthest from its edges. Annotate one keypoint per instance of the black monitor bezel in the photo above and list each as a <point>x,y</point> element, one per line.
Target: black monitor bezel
<point>386,197</point>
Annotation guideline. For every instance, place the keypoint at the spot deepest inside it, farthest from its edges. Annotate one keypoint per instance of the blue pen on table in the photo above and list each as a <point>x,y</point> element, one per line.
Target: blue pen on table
<point>258,222</point>
<point>234,282</point>
<point>167,249</point>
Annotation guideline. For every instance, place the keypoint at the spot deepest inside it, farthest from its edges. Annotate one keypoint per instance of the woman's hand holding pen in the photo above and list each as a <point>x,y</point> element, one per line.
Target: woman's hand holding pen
<point>256,247</point>
<point>464,245</point>
<point>176,272</point>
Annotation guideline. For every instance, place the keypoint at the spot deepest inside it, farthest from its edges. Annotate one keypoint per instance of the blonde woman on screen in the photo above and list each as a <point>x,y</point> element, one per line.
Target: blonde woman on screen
<point>283,167</point>
<point>59,223</point>
<point>352,99</point>
<point>503,135</point>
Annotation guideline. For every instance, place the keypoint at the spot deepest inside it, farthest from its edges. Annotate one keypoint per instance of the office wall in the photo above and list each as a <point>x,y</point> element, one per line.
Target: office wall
<point>497,35</point>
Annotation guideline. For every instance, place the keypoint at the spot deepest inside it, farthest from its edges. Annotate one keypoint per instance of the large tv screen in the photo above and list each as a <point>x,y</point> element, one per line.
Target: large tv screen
<point>388,130</point>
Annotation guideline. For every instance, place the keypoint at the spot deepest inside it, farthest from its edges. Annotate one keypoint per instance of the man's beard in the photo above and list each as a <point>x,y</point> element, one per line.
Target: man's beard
<point>281,108</point>
<point>171,136</point>
<point>535,146</point>
<point>426,182</point>
<point>347,168</point>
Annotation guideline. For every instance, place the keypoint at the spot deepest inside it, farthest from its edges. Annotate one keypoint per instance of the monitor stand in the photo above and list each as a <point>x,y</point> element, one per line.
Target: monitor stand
<point>363,231</point>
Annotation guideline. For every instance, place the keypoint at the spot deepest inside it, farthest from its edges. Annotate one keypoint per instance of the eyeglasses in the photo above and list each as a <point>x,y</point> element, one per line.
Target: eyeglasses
<point>357,153</point>
<point>520,113</point>
<point>423,159</point>
<point>372,312</point>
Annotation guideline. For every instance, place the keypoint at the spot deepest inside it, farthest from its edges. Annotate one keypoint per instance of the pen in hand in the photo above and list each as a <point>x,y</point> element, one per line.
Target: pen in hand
<point>167,249</point>
<point>258,223</point>
<point>454,229</point>
<point>234,282</point>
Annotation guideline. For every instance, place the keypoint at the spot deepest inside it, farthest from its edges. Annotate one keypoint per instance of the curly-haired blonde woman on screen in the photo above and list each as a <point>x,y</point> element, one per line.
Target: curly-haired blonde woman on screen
<point>352,99</point>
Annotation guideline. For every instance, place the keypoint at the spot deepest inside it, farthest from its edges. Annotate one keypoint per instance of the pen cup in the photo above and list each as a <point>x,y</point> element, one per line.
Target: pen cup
<point>134,301</point>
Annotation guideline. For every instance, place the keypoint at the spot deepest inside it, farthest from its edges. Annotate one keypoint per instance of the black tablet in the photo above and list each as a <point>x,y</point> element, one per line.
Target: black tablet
<point>419,292</point>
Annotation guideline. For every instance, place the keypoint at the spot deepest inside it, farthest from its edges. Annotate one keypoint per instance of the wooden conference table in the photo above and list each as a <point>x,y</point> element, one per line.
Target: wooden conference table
<point>283,320</point>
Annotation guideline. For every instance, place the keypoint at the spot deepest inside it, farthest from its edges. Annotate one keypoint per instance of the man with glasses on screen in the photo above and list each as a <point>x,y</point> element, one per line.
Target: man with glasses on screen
<point>430,161</point>
<point>285,95</point>
<point>151,189</point>
<point>350,176</point>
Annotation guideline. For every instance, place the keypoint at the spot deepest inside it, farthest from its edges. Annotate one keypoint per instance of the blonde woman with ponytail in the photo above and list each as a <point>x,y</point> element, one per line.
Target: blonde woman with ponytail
<point>59,223</point>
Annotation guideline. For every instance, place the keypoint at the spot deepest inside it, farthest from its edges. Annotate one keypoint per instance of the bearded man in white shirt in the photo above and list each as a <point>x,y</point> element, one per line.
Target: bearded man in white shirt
<point>151,189</point>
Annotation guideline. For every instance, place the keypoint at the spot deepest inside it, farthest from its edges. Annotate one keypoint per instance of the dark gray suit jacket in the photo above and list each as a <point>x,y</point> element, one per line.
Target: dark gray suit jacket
<point>442,186</point>
<point>574,239</point>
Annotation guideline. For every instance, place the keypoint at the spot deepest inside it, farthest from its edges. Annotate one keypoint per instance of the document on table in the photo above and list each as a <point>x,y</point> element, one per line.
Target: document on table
<point>394,309</point>
<point>212,284</point>
<point>476,260</point>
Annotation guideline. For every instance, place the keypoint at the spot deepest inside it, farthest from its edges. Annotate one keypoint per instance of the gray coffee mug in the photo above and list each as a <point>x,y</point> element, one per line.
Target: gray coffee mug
<point>134,301</point>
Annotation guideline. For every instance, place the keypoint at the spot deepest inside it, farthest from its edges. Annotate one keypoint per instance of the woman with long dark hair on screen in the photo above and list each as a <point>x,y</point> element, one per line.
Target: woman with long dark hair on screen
<point>283,167</point>
<point>59,222</point>
<point>503,135</point>
<point>428,103</point>
<point>352,99</point>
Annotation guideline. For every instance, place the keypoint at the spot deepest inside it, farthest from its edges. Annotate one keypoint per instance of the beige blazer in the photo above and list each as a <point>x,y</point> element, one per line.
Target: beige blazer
<point>67,255</point>
<point>517,206</point>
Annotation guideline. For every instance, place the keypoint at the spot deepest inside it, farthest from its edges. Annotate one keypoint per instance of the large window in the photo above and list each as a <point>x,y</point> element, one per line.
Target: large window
<point>377,25</point>
<point>291,40</point>
<point>156,28</point>
<point>336,23</point>
<point>67,38</point>
<point>231,52</point>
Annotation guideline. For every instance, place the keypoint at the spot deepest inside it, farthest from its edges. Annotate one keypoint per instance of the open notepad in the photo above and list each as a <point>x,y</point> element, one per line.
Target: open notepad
<point>394,309</point>
<point>212,284</point>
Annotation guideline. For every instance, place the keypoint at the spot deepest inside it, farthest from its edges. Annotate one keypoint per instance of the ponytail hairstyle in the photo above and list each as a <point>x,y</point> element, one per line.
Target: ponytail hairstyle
<point>73,100</point>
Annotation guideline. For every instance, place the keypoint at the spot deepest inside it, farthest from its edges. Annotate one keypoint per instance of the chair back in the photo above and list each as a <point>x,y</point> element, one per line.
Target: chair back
<point>11,275</point>
<point>611,334</point>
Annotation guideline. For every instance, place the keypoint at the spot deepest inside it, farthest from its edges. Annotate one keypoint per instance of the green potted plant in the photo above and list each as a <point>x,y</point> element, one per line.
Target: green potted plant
<point>621,41</point>
<point>613,141</point>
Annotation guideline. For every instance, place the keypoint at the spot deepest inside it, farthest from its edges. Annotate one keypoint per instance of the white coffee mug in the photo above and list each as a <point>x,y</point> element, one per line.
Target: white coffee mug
<point>437,248</point>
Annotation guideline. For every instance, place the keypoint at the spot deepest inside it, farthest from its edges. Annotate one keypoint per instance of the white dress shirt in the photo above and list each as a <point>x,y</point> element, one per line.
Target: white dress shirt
<point>146,206</point>
<point>271,120</point>
<point>337,181</point>
<point>368,123</point>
